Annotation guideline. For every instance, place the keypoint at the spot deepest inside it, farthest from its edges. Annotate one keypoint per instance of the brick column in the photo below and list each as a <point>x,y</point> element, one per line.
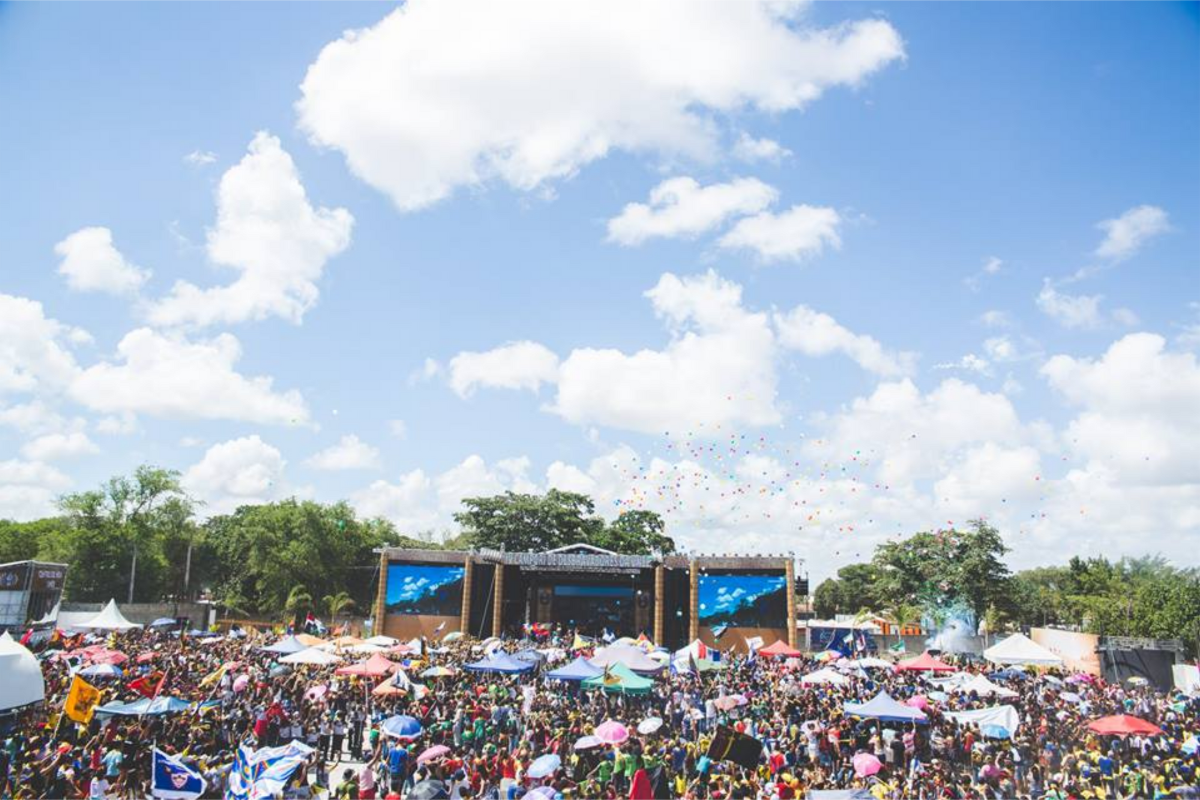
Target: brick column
<point>498,600</point>
<point>791,601</point>
<point>694,603</point>
<point>464,620</point>
<point>660,601</point>
<point>381,596</point>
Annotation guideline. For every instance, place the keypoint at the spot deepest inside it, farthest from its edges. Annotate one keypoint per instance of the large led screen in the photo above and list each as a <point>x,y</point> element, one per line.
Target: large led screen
<point>743,600</point>
<point>424,589</point>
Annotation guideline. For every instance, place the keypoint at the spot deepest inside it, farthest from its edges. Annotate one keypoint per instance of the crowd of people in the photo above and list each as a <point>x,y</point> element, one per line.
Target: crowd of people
<point>490,728</point>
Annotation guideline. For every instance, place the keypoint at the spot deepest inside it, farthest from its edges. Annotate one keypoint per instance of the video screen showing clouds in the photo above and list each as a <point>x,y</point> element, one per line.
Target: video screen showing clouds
<point>747,601</point>
<point>424,589</point>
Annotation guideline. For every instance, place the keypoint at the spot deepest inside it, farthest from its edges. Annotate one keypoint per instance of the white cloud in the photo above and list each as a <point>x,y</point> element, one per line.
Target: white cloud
<point>34,349</point>
<point>406,502</point>
<point>1001,348</point>
<point>1125,235</point>
<point>59,446</point>
<point>398,428</point>
<point>170,376</point>
<point>269,233</point>
<point>121,424</point>
<point>200,158</point>
<point>91,263</point>
<point>191,441</point>
<point>1125,316</point>
<point>991,266</point>
<point>34,418</point>
<point>350,452</point>
<point>437,95</point>
<point>719,367</point>
<point>681,207</point>
<point>237,472</point>
<point>968,363</point>
<point>800,232</point>
<point>1070,310</point>
<point>995,319</point>
<point>816,334</point>
<point>428,370</point>
<point>28,489</point>
<point>1189,332</point>
<point>516,365</point>
<point>751,150</point>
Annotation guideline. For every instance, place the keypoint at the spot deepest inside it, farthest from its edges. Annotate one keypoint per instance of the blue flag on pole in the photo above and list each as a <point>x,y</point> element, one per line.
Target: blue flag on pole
<point>174,780</point>
<point>263,773</point>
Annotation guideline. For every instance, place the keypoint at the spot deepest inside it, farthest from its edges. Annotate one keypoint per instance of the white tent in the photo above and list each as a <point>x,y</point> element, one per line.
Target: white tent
<point>981,686</point>
<point>826,675</point>
<point>110,618</point>
<point>1020,649</point>
<point>287,645</point>
<point>382,641</point>
<point>311,656</point>
<point>22,682</point>
<point>872,663</point>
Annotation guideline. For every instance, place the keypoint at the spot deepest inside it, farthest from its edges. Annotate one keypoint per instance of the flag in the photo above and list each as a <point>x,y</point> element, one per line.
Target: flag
<point>610,679</point>
<point>25,639</point>
<point>580,643</point>
<point>214,677</point>
<point>146,686</point>
<point>718,630</point>
<point>171,779</point>
<point>81,700</point>
<point>729,745</point>
<point>263,773</point>
<point>898,648</point>
<point>848,638</point>
<point>440,628</point>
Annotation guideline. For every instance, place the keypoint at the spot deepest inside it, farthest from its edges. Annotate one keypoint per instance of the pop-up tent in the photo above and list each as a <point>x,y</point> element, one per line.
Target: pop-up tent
<point>1020,649</point>
<point>826,675</point>
<point>780,648</point>
<point>632,657</point>
<point>286,646</point>
<point>376,667</point>
<point>110,618</point>
<point>620,679</point>
<point>22,684</point>
<point>981,686</point>
<point>500,662</point>
<point>311,655</point>
<point>883,707</point>
<point>925,662</point>
<point>578,670</point>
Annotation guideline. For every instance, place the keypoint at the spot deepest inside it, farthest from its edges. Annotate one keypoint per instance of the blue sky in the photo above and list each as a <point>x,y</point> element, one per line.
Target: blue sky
<point>904,283</point>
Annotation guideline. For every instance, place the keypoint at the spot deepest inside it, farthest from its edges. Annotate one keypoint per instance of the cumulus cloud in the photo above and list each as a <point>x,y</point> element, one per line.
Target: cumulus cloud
<point>28,489</point>
<point>92,263</point>
<point>1070,310</point>
<point>1125,235</point>
<point>516,365</point>
<point>417,117</point>
<point>235,473</point>
<point>816,334</point>
<point>59,446</point>
<point>350,452</point>
<point>170,376</point>
<point>968,363</point>
<point>800,232</point>
<point>681,207</point>
<point>268,233</point>
<point>751,150</point>
<point>35,350</point>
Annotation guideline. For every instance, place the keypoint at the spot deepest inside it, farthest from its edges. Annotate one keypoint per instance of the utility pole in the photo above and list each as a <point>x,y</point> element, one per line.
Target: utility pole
<point>132,572</point>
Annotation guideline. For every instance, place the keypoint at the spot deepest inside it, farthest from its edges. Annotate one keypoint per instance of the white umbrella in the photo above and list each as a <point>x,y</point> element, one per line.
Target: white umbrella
<point>311,656</point>
<point>588,742</point>
<point>649,725</point>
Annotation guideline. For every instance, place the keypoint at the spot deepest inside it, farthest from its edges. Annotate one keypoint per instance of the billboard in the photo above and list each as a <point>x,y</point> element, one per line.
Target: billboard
<point>1077,650</point>
<point>434,590</point>
<point>743,600</point>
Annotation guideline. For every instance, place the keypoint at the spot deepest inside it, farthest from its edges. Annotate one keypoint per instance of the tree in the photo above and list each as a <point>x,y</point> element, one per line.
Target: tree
<point>299,602</point>
<point>855,588</point>
<point>637,533</point>
<point>336,604</point>
<point>529,523</point>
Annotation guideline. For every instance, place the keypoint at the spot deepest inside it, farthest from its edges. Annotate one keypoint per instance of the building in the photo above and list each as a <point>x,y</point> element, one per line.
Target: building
<point>673,599</point>
<point>29,593</point>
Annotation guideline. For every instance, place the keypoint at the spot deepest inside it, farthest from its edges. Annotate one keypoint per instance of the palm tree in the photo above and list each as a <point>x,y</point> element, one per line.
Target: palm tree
<point>336,604</point>
<point>903,615</point>
<point>299,602</point>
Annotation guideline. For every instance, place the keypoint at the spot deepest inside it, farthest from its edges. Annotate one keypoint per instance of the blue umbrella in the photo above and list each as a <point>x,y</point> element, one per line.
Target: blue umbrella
<point>544,766</point>
<point>102,671</point>
<point>996,732</point>
<point>402,727</point>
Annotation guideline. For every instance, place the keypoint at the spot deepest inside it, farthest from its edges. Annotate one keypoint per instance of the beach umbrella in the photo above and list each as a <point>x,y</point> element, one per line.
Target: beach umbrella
<point>438,672</point>
<point>429,754</point>
<point>102,671</point>
<point>544,766</point>
<point>1123,725</point>
<point>402,727</point>
<point>241,682</point>
<point>316,692</point>
<point>611,732</point>
<point>866,765</point>
<point>919,701</point>
<point>429,790</point>
<point>730,701</point>
<point>452,636</point>
<point>649,725</point>
<point>588,742</point>
<point>996,732</point>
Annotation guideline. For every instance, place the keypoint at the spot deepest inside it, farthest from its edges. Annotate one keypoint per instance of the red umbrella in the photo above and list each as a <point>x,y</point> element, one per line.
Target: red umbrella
<point>925,662</point>
<point>1123,725</point>
<point>779,648</point>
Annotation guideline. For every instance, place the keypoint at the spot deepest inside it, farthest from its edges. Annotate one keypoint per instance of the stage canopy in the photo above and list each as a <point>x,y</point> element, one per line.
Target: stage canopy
<point>22,684</point>
<point>620,680</point>
<point>1020,649</point>
<point>883,707</point>
<point>110,618</point>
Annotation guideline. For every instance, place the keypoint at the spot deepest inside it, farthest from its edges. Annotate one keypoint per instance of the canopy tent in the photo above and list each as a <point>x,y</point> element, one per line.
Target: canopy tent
<point>110,618</point>
<point>1004,716</point>
<point>311,655</point>
<point>286,646</point>
<point>632,657</point>
<point>619,679</point>
<point>1123,725</point>
<point>927,663</point>
<point>871,662</point>
<point>826,675</point>
<point>883,707</point>
<point>578,670</point>
<point>376,666</point>
<point>530,656</point>
<point>500,662</point>
<point>159,705</point>
<point>780,648</point>
<point>981,686</point>
<point>23,683</point>
<point>308,640</point>
<point>382,641</point>
<point>1020,649</point>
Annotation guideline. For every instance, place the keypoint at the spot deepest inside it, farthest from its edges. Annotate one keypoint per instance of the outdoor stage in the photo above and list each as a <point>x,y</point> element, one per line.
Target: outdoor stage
<point>673,599</point>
